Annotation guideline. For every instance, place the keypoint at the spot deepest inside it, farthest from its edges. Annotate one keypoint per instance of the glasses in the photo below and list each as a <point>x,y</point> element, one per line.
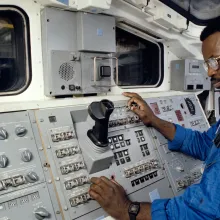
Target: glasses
<point>212,63</point>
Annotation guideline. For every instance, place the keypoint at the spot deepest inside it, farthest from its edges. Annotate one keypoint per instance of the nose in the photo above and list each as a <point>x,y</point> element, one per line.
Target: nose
<point>211,72</point>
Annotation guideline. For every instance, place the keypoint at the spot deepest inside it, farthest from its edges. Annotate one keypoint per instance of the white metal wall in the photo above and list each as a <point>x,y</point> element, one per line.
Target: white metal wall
<point>176,45</point>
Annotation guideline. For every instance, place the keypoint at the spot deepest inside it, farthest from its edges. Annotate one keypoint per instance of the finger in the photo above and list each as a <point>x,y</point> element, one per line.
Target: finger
<point>108,182</point>
<point>116,183</point>
<point>97,197</point>
<point>95,180</point>
<point>136,110</point>
<point>100,183</point>
<point>130,94</point>
<point>97,189</point>
<point>138,101</point>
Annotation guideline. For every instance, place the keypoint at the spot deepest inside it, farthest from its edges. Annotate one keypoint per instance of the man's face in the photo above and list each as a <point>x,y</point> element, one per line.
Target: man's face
<point>211,48</point>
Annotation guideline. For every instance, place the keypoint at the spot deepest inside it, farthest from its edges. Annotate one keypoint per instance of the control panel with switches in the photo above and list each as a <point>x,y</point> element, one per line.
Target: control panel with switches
<point>189,75</point>
<point>58,151</point>
<point>20,165</point>
<point>186,111</point>
<point>23,189</point>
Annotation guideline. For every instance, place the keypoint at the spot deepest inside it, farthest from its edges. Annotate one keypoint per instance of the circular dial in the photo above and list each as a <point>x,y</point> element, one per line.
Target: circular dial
<point>41,213</point>
<point>32,177</point>
<point>20,131</point>
<point>26,156</point>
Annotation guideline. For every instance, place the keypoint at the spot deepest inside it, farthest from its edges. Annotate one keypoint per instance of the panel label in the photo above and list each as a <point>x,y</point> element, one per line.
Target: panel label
<point>154,195</point>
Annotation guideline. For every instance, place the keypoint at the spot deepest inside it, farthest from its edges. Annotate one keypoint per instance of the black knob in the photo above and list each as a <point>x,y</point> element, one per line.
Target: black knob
<point>100,112</point>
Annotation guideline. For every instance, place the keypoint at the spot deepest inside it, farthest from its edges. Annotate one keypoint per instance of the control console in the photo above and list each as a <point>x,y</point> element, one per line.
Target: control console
<point>46,173</point>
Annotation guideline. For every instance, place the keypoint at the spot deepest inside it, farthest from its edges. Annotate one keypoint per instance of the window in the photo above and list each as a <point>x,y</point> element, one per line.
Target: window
<point>14,51</point>
<point>198,11</point>
<point>139,61</point>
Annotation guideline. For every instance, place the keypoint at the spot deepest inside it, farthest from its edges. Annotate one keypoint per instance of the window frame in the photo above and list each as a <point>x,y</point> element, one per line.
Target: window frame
<point>27,51</point>
<point>153,39</point>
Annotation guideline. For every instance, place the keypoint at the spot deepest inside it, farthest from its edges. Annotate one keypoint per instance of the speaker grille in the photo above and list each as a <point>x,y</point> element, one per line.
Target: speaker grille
<point>66,71</point>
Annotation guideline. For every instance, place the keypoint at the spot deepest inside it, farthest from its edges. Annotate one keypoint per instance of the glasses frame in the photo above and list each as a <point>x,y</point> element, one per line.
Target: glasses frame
<point>207,63</point>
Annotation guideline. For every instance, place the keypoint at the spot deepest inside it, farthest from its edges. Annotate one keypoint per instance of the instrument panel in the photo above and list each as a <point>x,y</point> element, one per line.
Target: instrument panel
<point>47,159</point>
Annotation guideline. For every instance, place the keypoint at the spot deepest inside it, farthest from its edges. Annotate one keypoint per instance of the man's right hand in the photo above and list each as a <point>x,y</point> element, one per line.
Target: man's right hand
<point>141,109</point>
<point>148,117</point>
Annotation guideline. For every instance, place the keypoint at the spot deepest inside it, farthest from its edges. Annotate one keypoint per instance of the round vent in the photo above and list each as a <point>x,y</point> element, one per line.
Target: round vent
<point>66,71</point>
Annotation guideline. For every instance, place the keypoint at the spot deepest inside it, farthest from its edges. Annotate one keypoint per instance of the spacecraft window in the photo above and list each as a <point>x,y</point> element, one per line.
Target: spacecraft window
<point>15,74</point>
<point>140,62</point>
<point>199,12</point>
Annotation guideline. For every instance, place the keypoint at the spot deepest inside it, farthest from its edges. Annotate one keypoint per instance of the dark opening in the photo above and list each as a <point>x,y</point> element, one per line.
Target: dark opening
<point>140,61</point>
<point>13,52</point>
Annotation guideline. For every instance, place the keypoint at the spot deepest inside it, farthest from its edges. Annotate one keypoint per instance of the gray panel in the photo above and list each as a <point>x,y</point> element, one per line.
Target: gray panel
<point>14,176</point>
<point>67,71</point>
<point>95,33</point>
<point>65,74</point>
<point>182,170</point>
<point>132,153</point>
<point>58,33</point>
<point>23,204</point>
<point>64,124</point>
<point>189,75</point>
<point>103,84</point>
<point>22,182</point>
<point>142,162</point>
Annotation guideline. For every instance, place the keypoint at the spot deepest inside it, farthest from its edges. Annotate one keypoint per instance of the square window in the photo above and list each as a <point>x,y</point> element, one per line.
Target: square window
<point>139,60</point>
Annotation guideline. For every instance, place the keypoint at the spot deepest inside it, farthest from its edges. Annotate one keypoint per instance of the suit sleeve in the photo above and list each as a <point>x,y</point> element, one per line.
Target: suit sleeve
<point>193,143</point>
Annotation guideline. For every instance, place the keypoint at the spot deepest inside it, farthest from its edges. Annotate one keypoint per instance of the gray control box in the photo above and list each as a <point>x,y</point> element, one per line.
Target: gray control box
<point>189,75</point>
<point>95,33</point>
<point>77,52</point>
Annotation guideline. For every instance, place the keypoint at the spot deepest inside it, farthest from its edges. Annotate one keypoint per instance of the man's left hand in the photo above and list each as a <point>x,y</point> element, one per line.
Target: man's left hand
<point>111,197</point>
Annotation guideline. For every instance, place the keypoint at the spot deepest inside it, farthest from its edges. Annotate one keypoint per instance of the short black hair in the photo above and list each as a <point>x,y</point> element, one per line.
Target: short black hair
<point>212,27</point>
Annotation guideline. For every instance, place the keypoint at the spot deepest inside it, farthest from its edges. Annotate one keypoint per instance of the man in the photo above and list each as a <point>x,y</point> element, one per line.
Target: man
<point>199,201</point>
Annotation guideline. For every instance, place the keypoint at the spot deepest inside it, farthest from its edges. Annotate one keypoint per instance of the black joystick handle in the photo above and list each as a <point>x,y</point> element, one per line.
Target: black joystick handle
<point>100,112</point>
